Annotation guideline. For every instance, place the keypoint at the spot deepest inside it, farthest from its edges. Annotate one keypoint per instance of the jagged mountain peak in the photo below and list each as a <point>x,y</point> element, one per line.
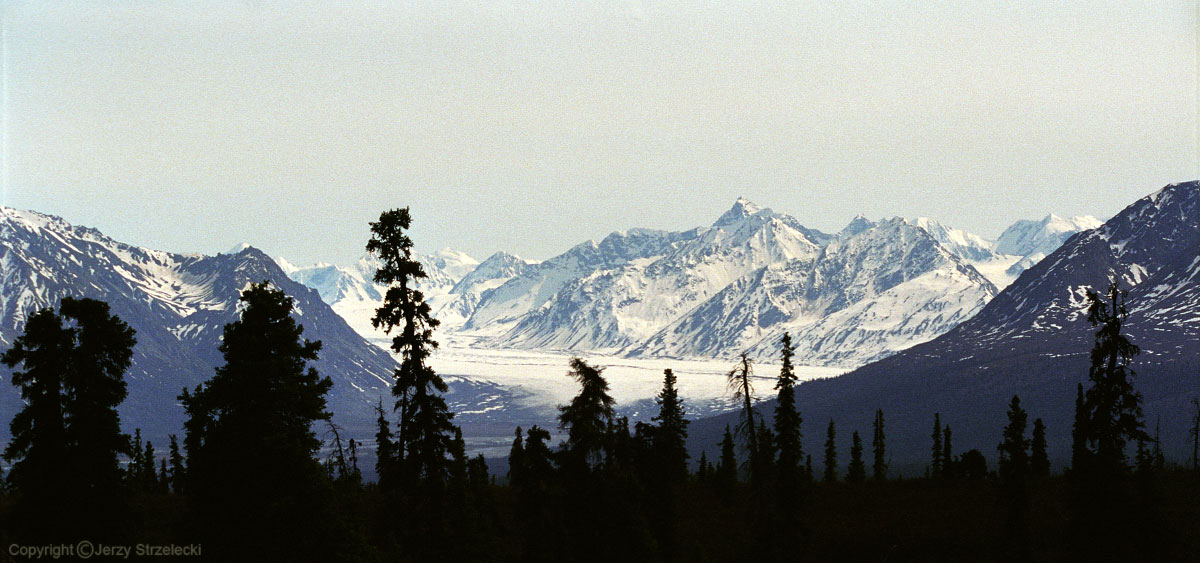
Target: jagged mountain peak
<point>238,248</point>
<point>857,225</point>
<point>742,209</point>
<point>1029,237</point>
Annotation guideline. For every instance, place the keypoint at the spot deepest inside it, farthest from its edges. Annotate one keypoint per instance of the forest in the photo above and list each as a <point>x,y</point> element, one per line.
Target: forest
<point>251,481</point>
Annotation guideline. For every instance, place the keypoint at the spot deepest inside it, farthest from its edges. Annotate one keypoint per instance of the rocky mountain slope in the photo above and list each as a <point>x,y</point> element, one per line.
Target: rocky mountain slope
<point>1033,339</point>
<point>178,304</point>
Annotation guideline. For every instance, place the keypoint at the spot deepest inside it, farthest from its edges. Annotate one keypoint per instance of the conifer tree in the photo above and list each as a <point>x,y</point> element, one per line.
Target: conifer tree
<point>727,466</point>
<point>1160,462</point>
<point>586,418</point>
<point>149,476</point>
<point>808,468</point>
<point>538,466</point>
<point>1014,449</point>
<point>879,449</point>
<point>935,464</point>
<point>743,391</point>
<point>424,427</point>
<point>947,455</point>
<point>458,473</point>
<point>94,387</point>
<point>133,472</point>
<point>1014,472</point>
<point>259,409</point>
<point>1112,406</point>
<point>857,471</point>
<point>788,436</point>
<point>1194,433</point>
<point>516,458</point>
<point>177,468</point>
<point>38,448</point>
<point>766,447</point>
<point>1143,461</point>
<point>164,477</point>
<point>1079,451</point>
<point>385,447</point>
<point>831,472</point>
<point>670,439</point>
<point>702,470</point>
<point>1039,461</point>
<point>67,437</point>
<point>1101,500</point>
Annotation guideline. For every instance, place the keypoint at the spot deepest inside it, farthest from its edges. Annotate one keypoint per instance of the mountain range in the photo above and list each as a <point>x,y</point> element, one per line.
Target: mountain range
<point>848,298</point>
<point>1033,340</point>
<point>178,304</point>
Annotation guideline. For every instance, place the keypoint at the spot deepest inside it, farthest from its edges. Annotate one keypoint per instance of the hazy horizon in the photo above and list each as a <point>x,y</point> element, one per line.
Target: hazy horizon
<point>530,127</point>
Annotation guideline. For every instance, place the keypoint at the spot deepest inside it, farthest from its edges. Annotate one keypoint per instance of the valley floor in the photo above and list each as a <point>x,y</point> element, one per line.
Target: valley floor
<point>525,387</point>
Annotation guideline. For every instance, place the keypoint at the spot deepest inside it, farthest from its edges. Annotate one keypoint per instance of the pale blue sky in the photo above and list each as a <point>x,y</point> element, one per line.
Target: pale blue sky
<point>529,127</point>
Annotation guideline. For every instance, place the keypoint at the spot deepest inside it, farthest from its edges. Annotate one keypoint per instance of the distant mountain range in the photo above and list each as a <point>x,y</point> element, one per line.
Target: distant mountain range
<point>863,293</point>
<point>1033,339</point>
<point>848,298</point>
<point>178,304</point>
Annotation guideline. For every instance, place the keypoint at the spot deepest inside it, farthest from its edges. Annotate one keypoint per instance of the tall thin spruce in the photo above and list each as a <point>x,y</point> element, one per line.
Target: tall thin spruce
<point>424,429</point>
<point>1195,434</point>
<point>857,471</point>
<point>1112,407</point>
<point>935,464</point>
<point>787,423</point>
<point>831,471</point>
<point>879,448</point>
<point>670,438</point>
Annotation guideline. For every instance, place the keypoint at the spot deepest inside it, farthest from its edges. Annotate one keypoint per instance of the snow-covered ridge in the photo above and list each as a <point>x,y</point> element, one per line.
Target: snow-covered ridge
<point>872,289</point>
<point>177,304</point>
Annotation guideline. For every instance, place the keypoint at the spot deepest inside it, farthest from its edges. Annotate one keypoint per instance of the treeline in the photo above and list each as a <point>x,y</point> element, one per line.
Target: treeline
<point>246,484</point>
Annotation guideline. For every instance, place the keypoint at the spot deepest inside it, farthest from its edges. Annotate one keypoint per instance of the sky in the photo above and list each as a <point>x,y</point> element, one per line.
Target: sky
<point>532,126</point>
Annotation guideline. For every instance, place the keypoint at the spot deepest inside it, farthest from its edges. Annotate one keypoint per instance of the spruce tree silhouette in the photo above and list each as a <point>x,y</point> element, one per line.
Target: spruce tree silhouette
<point>586,419</point>
<point>935,463</point>
<point>947,455</point>
<point>1112,407</point>
<point>274,501</point>
<point>385,448</point>
<point>831,469</point>
<point>857,471</point>
<point>177,467</point>
<point>788,439</point>
<point>38,448</point>
<point>93,388</point>
<point>1079,449</point>
<point>1194,433</point>
<point>1102,498</point>
<point>1039,461</point>
<point>424,427</point>
<point>516,458</point>
<point>1014,479</point>
<point>67,438</point>
<point>879,449</point>
<point>727,471</point>
<point>670,438</point>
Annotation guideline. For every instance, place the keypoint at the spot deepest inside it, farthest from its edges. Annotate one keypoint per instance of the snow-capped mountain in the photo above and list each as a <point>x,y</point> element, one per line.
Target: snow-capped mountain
<point>738,284</point>
<point>453,285</point>
<point>178,304</point>
<point>1034,339</point>
<point>1027,238</point>
<point>882,289</point>
<point>624,304</point>
<point>872,289</point>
